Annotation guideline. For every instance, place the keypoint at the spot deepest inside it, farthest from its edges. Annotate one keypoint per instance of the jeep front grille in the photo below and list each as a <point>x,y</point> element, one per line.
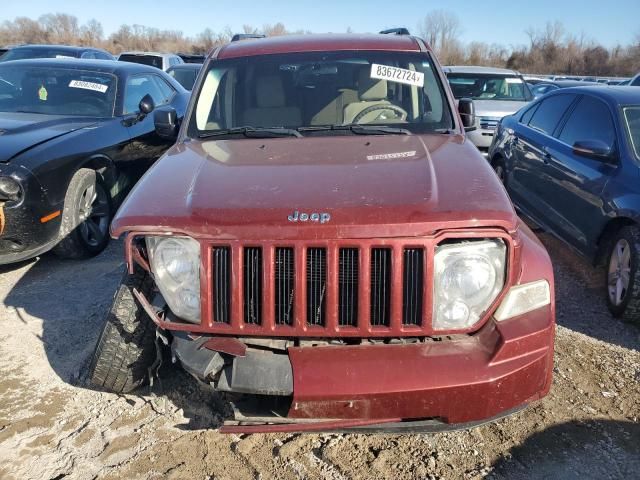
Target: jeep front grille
<point>221,284</point>
<point>380,286</point>
<point>285,285</point>
<point>316,285</point>
<point>327,288</point>
<point>412,286</point>
<point>253,285</point>
<point>348,268</point>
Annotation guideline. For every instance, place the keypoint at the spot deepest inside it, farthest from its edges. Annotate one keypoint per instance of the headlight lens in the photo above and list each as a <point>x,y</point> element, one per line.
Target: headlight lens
<point>10,189</point>
<point>467,279</point>
<point>175,263</point>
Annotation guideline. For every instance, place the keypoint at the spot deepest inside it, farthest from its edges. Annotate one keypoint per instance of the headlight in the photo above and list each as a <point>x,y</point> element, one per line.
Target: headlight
<point>175,263</point>
<point>468,277</point>
<point>10,189</point>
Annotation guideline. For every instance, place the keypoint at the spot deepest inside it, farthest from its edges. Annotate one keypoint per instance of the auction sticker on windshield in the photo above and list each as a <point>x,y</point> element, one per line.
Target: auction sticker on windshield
<point>399,75</point>
<point>96,87</point>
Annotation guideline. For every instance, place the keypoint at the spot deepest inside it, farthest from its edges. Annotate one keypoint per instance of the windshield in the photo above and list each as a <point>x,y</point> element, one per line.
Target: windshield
<point>184,76</point>
<point>488,87</point>
<point>322,89</point>
<point>22,53</point>
<point>56,91</point>
<point>151,60</point>
<point>632,121</point>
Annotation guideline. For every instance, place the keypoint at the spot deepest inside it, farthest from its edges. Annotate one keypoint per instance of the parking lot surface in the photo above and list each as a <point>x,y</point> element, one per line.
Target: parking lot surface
<point>53,426</point>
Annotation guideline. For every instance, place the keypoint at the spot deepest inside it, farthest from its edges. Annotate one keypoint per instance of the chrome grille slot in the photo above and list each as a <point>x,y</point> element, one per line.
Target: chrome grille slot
<point>253,285</point>
<point>348,284</point>
<point>380,286</point>
<point>284,284</point>
<point>316,285</point>
<point>221,283</point>
<point>412,286</point>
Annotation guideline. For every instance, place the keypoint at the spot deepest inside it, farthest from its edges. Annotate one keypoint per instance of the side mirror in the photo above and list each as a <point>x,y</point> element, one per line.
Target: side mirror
<point>467,111</point>
<point>165,120</point>
<point>596,149</point>
<point>146,105</point>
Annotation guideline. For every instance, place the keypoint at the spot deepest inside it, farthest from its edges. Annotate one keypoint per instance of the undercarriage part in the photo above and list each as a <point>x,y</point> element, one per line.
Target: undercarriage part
<point>259,372</point>
<point>198,361</point>
<point>247,424</point>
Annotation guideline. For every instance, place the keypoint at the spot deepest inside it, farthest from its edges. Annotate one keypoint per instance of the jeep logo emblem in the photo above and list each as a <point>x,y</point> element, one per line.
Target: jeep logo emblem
<point>309,217</point>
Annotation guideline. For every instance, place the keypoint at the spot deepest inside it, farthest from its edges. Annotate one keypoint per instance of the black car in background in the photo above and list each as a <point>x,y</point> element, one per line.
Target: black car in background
<point>185,74</point>
<point>74,137</point>
<point>571,163</point>
<point>23,52</point>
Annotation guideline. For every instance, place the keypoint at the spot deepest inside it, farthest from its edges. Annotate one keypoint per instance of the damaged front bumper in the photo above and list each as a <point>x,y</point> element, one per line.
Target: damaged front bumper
<point>31,225</point>
<point>429,385</point>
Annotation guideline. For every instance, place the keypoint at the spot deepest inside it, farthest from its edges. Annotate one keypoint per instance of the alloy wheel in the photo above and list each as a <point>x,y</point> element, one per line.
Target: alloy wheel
<point>619,272</point>
<point>94,215</point>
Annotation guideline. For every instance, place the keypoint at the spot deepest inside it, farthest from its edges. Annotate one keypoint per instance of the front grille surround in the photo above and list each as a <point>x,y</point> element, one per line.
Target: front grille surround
<point>400,323</point>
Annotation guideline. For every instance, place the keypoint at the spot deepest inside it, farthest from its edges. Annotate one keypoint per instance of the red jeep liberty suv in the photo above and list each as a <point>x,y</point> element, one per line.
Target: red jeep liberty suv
<point>324,244</point>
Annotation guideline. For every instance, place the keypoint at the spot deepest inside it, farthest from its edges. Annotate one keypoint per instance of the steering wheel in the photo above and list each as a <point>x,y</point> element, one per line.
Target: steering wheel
<point>89,105</point>
<point>374,108</point>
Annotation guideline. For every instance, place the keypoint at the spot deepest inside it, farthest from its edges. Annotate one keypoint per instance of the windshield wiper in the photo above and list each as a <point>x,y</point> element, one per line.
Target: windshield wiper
<point>358,129</point>
<point>253,132</point>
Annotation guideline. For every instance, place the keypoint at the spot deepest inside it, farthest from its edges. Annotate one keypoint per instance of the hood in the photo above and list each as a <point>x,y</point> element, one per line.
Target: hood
<point>21,131</point>
<point>370,186</point>
<point>497,108</point>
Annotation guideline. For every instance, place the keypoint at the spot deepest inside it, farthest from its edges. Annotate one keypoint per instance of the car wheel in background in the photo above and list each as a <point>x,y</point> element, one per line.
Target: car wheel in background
<point>622,278</point>
<point>499,168</point>
<point>126,347</point>
<point>84,231</point>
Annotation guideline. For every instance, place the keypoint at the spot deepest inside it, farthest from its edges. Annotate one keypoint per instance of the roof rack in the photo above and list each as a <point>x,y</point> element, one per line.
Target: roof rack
<point>396,31</point>
<point>246,36</point>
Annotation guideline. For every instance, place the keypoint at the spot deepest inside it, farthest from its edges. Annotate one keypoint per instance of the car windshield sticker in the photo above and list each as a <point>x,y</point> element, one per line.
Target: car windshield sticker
<point>395,74</point>
<point>64,56</point>
<point>42,93</point>
<point>513,80</point>
<point>96,87</point>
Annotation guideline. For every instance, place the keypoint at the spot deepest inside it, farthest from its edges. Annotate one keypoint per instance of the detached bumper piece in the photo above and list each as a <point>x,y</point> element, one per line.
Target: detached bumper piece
<point>447,384</point>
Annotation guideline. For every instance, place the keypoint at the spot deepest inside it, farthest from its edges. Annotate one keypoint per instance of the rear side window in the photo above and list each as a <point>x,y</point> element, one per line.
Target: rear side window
<point>590,120</point>
<point>549,113</point>
<point>526,117</point>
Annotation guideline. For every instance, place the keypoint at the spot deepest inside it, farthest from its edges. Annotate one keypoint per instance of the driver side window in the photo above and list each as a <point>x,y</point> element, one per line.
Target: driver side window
<point>140,85</point>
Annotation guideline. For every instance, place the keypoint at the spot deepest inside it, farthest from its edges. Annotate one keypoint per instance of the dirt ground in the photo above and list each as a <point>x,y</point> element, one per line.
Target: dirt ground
<point>52,426</point>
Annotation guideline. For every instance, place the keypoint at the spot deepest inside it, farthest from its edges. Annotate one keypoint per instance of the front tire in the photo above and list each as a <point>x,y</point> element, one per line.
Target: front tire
<point>84,231</point>
<point>622,275</point>
<point>500,170</point>
<point>126,347</point>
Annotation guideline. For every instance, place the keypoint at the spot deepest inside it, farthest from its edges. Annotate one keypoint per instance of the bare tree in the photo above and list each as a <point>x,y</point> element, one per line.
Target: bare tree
<point>61,28</point>
<point>441,29</point>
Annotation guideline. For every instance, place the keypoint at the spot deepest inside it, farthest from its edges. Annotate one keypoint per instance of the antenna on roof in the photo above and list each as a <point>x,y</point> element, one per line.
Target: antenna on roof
<point>396,31</point>
<point>246,36</point>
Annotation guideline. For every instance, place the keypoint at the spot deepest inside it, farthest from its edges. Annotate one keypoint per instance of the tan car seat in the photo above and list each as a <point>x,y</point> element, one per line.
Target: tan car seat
<point>271,109</point>
<point>371,92</point>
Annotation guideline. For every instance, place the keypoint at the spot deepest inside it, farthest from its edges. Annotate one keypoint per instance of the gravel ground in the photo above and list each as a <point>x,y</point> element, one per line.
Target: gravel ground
<point>52,426</point>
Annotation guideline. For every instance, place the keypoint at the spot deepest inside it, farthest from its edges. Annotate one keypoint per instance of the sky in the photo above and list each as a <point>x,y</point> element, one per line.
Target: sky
<point>606,22</point>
